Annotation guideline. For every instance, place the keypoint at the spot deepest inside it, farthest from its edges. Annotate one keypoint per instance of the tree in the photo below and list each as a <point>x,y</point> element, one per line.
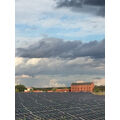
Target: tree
<point>19,88</point>
<point>99,89</point>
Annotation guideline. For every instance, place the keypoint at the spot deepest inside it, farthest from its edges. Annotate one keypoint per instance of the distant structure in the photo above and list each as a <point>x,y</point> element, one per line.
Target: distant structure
<point>75,87</point>
<point>62,90</point>
<point>30,89</point>
<point>82,87</point>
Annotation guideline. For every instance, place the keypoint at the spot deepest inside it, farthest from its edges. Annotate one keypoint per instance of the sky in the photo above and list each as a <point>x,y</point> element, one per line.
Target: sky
<point>59,42</point>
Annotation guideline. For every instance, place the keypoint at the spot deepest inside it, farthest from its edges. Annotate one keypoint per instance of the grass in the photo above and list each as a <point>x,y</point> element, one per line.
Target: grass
<point>99,93</point>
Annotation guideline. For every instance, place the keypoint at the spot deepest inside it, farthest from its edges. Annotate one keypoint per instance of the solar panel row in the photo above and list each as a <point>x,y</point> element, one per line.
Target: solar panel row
<point>59,106</point>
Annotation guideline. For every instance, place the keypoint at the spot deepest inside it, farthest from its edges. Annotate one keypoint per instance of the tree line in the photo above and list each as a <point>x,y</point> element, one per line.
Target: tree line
<point>21,88</point>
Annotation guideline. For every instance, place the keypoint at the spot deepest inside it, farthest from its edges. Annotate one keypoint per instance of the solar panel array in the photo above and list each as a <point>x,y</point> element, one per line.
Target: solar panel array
<point>59,106</point>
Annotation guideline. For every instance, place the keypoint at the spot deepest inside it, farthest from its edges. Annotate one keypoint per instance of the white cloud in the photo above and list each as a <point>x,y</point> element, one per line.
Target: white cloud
<point>99,81</point>
<point>56,72</point>
<point>54,83</point>
<point>42,13</point>
<point>28,11</point>
<point>58,66</point>
<point>54,80</point>
<point>33,61</point>
<point>80,81</point>
<point>22,76</point>
<point>81,60</point>
<point>19,60</point>
<point>17,82</point>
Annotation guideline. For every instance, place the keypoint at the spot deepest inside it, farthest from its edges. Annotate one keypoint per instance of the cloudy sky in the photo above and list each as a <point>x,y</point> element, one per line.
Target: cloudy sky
<point>59,42</point>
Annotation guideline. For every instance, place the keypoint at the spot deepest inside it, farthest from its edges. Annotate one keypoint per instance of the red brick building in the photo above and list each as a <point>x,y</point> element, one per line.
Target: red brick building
<point>82,87</point>
<point>62,90</point>
<point>50,91</point>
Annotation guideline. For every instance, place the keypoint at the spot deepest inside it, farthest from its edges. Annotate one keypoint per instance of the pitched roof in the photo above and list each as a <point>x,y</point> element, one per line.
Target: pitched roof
<point>85,83</point>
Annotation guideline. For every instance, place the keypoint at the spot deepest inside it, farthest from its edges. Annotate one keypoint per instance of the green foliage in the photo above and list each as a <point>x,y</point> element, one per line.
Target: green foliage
<point>99,89</point>
<point>19,88</point>
<point>16,90</point>
<point>54,89</point>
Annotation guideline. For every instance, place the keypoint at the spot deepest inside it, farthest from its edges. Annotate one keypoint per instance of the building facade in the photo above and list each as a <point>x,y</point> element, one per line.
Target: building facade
<point>62,90</point>
<point>82,87</point>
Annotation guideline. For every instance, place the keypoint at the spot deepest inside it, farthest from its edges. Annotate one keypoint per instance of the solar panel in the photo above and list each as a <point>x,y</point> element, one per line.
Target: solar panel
<point>59,106</point>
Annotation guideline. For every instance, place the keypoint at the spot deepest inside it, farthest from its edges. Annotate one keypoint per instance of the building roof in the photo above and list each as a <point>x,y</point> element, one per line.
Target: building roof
<point>85,83</point>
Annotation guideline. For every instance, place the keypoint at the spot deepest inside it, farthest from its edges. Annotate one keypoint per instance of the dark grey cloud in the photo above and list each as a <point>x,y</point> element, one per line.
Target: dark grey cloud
<point>51,48</point>
<point>94,2</point>
<point>79,3</point>
<point>90,6</point>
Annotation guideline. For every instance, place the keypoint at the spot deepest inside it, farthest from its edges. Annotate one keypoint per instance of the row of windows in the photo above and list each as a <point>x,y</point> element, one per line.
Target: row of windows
<point>81,88</point>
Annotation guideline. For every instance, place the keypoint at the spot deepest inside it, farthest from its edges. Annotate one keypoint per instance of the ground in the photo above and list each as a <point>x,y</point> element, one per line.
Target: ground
<point>99,93</point>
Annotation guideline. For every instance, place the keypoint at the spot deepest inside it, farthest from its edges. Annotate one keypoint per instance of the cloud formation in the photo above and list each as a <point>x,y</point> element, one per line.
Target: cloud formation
<point>51,47</point>
<point>23,76</point>
<point>33,20</point>
<point>52,61</point>
<point>54,83</point>
<point>96,7</point>
<point>57,66</point>
<point>46,71</point>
